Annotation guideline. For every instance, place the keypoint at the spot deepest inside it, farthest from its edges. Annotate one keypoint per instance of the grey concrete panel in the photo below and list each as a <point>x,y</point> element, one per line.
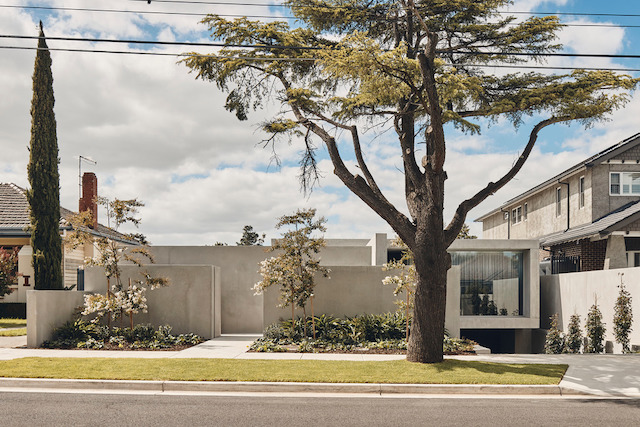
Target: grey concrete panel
<point>571,293</point>
<point>187,304</point>
<point>47,310</point>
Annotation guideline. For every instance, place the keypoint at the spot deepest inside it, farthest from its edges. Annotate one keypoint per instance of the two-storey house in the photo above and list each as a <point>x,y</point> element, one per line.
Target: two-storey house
<point>585,218</point>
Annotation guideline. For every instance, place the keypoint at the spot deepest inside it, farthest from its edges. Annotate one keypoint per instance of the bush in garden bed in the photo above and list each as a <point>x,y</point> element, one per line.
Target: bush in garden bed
<point>81,334</point>
<point>381,333</point>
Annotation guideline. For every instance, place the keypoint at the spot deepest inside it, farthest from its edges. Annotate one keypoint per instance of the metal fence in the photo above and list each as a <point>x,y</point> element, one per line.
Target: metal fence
<point>565,264</point>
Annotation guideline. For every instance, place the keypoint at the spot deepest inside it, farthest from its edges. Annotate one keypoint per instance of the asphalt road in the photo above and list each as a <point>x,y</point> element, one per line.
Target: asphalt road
<point>56,409</point>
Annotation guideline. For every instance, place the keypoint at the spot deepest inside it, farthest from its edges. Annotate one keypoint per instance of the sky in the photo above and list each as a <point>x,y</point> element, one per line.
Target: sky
<point>159,135</point>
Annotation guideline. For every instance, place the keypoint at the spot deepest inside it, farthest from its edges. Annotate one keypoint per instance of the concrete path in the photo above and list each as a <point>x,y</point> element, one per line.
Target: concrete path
<point>600,375</point>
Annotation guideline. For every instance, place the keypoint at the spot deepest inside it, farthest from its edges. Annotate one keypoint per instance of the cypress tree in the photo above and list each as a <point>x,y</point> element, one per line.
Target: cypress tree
<point>44,180</point>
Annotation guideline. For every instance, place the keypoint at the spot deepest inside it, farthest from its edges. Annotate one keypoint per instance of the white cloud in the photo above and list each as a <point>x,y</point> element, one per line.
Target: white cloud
<point>165,138</point>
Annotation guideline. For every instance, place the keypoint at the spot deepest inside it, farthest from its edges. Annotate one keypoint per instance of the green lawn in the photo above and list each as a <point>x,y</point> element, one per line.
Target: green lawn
<point>12,323</point>
<point>13,332</point>
<point>397,371</point>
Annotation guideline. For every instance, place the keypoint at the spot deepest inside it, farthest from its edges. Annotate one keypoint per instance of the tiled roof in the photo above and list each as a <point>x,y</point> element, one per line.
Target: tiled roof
<point>14,214</point>
<point>14,208</point>
<point>600,227</point>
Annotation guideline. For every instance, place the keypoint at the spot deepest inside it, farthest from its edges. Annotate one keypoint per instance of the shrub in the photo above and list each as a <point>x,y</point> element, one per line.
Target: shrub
<point>595,330</point>
<point>623,318</point>
<point>554,343</point>
<point>81,334</point>
<point>574,335</point>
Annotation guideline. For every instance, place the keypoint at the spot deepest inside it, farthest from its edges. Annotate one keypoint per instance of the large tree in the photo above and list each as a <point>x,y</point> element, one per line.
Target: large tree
<point>44,195</point>
<point>418,68</point>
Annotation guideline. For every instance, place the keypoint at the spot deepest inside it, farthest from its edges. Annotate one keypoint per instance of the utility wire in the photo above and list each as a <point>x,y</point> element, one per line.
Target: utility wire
<point>268,59</point>
<point>277,47</point>
<point>150,12</point>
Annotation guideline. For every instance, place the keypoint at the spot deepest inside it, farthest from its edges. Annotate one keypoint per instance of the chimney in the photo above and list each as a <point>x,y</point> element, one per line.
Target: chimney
<point>89,201</point>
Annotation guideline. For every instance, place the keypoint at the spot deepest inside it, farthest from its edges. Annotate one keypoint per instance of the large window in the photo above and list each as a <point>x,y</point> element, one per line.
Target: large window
<point>491,283</point>
<point>624,183</point>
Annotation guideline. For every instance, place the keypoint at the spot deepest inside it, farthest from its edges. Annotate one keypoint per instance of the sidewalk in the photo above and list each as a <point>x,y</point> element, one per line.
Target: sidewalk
<point>600,375</point>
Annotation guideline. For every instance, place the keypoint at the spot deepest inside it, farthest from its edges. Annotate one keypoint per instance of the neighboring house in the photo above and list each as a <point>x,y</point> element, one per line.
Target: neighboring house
<point>14,224</point>
<point>586,218</point>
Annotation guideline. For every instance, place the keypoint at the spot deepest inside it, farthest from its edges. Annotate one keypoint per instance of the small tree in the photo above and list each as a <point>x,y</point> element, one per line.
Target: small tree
<point>623,317</point>
<point>295,267</point>
<point>110,254</point>
<point>574,335</point>
<point>44,179</point>
<point>250,237</point>
<point>595,330</point>
<point>403,282</point>
<point>8,269</point>
<point>554,343</point>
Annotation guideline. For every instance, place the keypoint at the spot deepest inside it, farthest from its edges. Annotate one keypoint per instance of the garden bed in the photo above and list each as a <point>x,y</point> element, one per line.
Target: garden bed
<point>364,334</point>
<point>92,336</point>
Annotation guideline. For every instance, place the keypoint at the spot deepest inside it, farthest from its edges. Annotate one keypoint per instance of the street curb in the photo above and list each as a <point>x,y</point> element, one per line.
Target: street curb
<point>285,387</point>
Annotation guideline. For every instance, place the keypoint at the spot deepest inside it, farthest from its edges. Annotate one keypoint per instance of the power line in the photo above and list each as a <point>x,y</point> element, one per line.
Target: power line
<point>268,59</point>
<point>277,47</point>
<point>151,12</point>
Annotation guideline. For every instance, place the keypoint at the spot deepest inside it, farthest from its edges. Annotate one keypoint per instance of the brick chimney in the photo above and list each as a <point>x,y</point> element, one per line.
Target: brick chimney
<point>89,202</point>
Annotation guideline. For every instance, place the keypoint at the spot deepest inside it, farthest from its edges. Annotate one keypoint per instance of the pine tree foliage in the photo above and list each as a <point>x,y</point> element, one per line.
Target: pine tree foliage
<point>623,318</point>
<point>595,330</point>
<point>356,69</point>
<point>574,335</point>
<point>554,342</point>
<point>250,237</point>
<point>44,195</point>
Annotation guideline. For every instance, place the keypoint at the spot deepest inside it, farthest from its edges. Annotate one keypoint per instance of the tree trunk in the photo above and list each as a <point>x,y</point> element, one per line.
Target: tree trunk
<point>432,261</point>
<point>427,325</point>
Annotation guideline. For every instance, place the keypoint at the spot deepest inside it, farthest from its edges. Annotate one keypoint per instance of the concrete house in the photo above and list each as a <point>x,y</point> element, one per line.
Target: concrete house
<point>585,218</point>
<point>14,223</point>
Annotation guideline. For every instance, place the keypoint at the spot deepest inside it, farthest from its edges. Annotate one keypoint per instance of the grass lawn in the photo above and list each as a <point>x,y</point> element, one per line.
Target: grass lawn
<point>12,323</point>
<point>397,371</point>
<point>13,332</point>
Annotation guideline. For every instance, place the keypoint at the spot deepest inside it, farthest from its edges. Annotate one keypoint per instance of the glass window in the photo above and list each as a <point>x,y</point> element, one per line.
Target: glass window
<point>581,196</point>
<point>491,283</point>
<point>558,201</point>
<point>615,183</point>
<point>516,215</point>
<point>525,211</point>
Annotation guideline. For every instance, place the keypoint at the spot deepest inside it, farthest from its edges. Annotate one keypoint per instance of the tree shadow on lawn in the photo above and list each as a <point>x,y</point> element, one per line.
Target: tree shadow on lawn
<point>539,369</point>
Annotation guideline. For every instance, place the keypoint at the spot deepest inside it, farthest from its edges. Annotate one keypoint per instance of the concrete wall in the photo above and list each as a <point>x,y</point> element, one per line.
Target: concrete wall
<point>541,218</point>
<point>359,290</point>
<point>191,303</point>
<point>569,293</point>
<point>47,310</point>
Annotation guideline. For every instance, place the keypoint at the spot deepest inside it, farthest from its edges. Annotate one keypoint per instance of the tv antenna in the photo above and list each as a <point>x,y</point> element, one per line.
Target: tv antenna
<point>80,160</point>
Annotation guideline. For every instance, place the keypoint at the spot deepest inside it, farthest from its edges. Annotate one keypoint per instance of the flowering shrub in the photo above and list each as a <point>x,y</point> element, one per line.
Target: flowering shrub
<point>294,269</point>
<point>8,269</point>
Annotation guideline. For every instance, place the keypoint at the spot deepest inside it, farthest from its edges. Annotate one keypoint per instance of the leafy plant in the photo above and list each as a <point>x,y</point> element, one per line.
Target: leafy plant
<point>295,267</point>
<point>623,318</point>
<point>595,330</point>
<point>119,300</point>
<point>574,335</point>
<point>82,334</point>
<point>554,343</point>
<point>8,269</point>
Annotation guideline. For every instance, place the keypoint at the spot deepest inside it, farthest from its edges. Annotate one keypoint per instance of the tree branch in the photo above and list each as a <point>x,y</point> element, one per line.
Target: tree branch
<point>452,230</point>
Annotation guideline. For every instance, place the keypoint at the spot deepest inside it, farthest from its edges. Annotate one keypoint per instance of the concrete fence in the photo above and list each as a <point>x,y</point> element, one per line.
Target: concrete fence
<point>569,293</point>
<point>191,303</point>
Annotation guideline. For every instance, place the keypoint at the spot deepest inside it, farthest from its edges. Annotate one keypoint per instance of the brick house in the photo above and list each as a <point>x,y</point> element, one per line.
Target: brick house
<point>14,223</point>
<point>585,218</point>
